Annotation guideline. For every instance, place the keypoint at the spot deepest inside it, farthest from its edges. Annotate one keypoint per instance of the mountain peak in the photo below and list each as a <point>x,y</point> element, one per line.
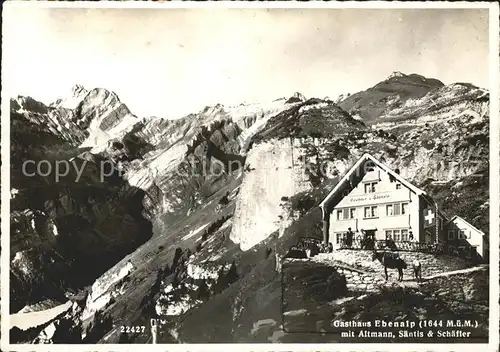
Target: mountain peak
<point>296,98</point>
<point>78,93</point>
<point>299,95</point>
<point>396,74</point>
<point>78,89</point>
<point>395,90</point>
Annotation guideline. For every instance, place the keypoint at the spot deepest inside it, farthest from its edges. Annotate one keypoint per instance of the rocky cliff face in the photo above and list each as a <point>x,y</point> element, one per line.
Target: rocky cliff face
<point>67,227</point>
<point>225,187</point>
<point>273,171</point>
<point>121,174</point>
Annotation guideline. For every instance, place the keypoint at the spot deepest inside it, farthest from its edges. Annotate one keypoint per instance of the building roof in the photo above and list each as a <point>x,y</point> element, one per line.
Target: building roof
<point>381,165</point>
<point>468,223</point>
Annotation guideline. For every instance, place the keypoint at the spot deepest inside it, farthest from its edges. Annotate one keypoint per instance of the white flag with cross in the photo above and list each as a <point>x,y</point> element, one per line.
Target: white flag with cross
<point>429,216</point>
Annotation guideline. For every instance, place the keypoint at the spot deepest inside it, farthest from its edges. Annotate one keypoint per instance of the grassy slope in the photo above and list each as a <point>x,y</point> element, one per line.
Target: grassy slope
<point>326,121</point>
<point>372,103</point>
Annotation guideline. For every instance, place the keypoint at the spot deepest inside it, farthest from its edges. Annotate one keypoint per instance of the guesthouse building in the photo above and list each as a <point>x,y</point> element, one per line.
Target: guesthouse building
<point>373,199</point>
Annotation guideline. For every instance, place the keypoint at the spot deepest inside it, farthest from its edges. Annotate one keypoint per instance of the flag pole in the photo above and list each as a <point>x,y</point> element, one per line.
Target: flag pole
<point>437,222</point>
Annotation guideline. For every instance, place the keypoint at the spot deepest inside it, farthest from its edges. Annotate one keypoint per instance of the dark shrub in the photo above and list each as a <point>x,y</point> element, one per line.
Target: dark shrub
<point>268,252</point>
<point>232,274</point>
<point>203,293</point>
<point>118,145</point>
<point>177,256</point>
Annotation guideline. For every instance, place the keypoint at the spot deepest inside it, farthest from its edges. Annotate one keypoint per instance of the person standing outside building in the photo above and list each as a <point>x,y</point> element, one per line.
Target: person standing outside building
<point>349,237</point>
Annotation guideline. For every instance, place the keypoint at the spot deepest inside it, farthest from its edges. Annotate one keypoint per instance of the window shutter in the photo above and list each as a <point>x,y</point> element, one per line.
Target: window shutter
<point>346,213</point>
<point>397,209</point>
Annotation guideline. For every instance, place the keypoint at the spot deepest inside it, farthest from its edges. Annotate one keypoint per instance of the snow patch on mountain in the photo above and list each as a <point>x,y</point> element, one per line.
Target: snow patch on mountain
<point>78,93</point>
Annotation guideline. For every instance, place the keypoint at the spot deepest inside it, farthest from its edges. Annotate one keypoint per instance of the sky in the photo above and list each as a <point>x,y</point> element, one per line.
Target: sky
<point>171,62</point>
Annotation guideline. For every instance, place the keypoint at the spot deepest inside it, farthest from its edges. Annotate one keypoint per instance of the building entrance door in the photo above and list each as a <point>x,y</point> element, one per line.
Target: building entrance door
<point>368,239</point>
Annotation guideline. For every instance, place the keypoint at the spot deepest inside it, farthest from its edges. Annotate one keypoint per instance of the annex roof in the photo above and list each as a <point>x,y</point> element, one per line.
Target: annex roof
<point>468,223</point>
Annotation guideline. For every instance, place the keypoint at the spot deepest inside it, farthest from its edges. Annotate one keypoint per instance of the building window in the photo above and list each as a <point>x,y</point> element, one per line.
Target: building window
<point>404,235</point>
<point>451,234</point>
<point>396,235</point>
<point>389,210</point>
<point>369,166</point>
<point>346,213</point>
<point>398,185</point>
<point>340,215</point>
<point>371,212</point>
<point>352,213</point>
<point>396,209</point>
<point>370,187</point>
<point>338,238</point>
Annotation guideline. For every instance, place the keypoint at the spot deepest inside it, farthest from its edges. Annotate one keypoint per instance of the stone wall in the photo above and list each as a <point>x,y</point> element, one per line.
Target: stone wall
<point>363,274</point>
<point>358,281</point>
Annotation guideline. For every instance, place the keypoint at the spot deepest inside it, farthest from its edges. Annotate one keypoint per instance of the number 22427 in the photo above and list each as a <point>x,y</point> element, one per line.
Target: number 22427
<point>132,329</point>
